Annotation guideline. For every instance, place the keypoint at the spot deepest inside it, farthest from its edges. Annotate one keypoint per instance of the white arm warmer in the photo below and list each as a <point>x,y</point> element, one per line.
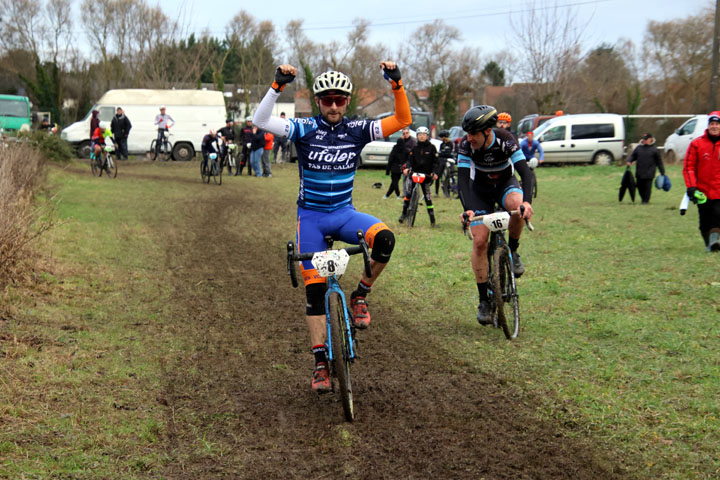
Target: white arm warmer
<point>263,118</point>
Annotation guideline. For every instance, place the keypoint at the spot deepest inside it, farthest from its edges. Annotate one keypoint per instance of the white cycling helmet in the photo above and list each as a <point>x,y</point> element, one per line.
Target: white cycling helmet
<point>332,80</point>
<point>422,130</point>
<point>162,107</point>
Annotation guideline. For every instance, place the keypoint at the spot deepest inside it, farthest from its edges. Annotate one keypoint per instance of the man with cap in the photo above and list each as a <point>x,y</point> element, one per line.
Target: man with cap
<point>702,179</point>
<point>163,122</point>
<point>648,161</point>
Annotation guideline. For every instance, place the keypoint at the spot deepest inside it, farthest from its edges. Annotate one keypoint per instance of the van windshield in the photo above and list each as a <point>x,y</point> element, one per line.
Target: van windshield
<point>13,108</point>
<point>542,128</point>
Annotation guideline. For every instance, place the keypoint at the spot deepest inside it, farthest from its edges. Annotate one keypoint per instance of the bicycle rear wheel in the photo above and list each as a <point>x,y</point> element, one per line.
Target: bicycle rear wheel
<point>341,353</point>
<point>204,172</point>
<point>231,163</point>
<point>505,291</point>
<point>94,167</point>
<point>413,207</point>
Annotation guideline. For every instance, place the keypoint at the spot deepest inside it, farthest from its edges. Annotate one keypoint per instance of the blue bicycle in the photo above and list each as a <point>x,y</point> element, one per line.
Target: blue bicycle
<point>340,343</point>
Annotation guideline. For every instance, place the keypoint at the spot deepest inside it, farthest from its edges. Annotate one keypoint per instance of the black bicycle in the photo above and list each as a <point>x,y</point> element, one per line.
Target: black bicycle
<point>502,291</point>
<point>230,159</point>
<point>103,164</point>
<point>340,343</point>
<point>417,179</point>
<point>449,179</point>
<point>211,168</point>
<point>163,149</point>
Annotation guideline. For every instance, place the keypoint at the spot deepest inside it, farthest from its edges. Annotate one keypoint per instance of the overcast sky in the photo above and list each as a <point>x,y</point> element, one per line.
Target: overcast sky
<point>483,24</point>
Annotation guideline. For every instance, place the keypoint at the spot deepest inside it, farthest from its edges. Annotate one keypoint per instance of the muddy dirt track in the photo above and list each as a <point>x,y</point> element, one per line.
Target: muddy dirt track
<point>239,403</point>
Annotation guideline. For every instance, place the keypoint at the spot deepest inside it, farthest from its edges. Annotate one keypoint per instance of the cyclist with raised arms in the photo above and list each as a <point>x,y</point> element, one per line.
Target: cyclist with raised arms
<point>328,147</point>
<point>487,160</point>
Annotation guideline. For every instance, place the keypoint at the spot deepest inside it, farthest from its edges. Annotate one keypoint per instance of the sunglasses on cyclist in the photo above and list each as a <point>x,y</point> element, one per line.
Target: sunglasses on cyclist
<point>338,100</point>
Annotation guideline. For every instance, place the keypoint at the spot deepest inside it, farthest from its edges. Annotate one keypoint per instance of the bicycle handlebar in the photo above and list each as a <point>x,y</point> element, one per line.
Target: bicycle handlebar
<point>293,257</point>
<point>519,211</point>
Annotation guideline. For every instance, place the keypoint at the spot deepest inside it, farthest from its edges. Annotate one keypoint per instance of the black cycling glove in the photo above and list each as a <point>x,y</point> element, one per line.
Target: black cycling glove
<point>393,76</point>
<point>282,79</point>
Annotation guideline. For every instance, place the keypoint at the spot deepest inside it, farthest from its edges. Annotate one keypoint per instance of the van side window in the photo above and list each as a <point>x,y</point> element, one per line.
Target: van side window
<point>593,130</point>
<point>688,128</point>
<point>106,113</point>
<point>555,133</point>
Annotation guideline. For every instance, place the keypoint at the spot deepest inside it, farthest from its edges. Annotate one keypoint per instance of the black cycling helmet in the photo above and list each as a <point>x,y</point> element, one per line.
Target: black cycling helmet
<point>479,118</point>
<point>444,133</point>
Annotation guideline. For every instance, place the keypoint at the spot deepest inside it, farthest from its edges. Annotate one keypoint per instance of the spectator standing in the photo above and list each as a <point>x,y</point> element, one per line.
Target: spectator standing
<point>396,160</point>
<point>120,127</point>
<point>266,154</point>
<point>648,161</point>
<point>280,142</point>
<point>94,122</point>
<point>246,136</point>
<point>447,152</point>
<point>702,179</point>
<point>257,145</point>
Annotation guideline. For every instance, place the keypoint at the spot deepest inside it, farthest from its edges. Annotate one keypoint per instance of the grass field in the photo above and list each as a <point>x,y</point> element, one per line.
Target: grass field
<point>619,336</point>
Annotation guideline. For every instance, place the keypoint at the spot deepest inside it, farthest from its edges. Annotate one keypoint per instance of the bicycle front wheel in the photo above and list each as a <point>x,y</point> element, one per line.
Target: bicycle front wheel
<point>111,167</point>
<point>505,290</point>
<point>340,342</point>
<point>453,190</point>
<point>231,164</point>
<point>217,172</point>
<point>153,150</point>
<point>413,207</point>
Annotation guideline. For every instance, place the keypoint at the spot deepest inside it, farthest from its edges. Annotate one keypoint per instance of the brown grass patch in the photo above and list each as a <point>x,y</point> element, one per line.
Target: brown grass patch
<point>21,221</point>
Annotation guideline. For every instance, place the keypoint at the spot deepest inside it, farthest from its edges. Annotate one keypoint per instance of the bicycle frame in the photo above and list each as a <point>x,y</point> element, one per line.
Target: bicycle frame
<point>334,286</point>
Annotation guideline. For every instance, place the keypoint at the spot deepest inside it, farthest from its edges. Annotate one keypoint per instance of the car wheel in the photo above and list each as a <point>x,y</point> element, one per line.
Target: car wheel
<point>183,152</point>
<point>83,150</point>
<point>603,158</point>
<point>670,157</point>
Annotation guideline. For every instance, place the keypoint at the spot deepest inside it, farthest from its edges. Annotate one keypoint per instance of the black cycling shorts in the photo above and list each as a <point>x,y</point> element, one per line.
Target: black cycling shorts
<point>484,196</point>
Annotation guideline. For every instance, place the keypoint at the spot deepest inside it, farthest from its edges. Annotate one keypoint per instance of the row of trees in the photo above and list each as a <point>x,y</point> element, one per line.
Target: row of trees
<point>132,44</point>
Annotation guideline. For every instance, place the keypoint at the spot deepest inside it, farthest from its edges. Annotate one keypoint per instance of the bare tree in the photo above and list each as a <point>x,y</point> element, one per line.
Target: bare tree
<point>550,39</point>
<point>21,26</point>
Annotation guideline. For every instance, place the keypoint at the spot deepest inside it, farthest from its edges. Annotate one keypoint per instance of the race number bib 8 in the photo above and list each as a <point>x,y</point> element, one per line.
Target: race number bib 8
<point>497,221</point>
<point>331,262</point>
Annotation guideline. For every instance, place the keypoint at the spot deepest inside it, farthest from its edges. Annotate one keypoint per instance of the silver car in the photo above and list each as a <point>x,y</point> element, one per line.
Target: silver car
<point>377,153</point>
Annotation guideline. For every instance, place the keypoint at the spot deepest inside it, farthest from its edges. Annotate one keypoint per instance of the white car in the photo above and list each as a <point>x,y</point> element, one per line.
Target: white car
<point>677,143</point>
<point>377,153</point>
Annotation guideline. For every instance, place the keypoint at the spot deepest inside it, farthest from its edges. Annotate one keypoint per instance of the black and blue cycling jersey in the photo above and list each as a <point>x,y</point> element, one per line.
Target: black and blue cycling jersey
<point>328,156</point>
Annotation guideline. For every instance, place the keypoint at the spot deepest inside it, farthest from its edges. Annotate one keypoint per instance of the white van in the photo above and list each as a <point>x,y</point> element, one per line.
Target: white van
<point>597,138</point>
<point>677,143</point>
<point>195,112</point>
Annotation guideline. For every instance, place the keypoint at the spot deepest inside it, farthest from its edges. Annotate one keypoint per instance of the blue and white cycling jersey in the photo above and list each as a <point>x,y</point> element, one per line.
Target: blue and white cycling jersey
<point>328,157</point>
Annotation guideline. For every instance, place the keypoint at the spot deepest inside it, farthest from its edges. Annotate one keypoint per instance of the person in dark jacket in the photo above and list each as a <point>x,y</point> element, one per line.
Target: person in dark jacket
<point>648,161</point>
<point>94,122</point>
<point>447,152</point>
<point>120,127</point>
<point>246,134</point>
<point>422,159</point>
<point>396,160</point>
<point>257,145</point>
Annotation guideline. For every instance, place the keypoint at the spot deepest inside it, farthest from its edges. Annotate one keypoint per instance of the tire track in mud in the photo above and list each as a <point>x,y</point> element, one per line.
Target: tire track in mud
<point>238,399</point>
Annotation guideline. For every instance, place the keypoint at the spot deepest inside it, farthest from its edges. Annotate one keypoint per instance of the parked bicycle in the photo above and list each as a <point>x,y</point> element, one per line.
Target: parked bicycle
<point>340,343</point>
<point>211,168</point>
<point>104,163</point>
<point>449,179</point>
<point>162,149</point>
<point>230,159</point>
<point>502,291</point>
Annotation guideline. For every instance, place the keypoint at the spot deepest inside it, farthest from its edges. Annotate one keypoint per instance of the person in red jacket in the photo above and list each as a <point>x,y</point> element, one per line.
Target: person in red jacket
<point>269,137</point>
<point>702,179</point>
